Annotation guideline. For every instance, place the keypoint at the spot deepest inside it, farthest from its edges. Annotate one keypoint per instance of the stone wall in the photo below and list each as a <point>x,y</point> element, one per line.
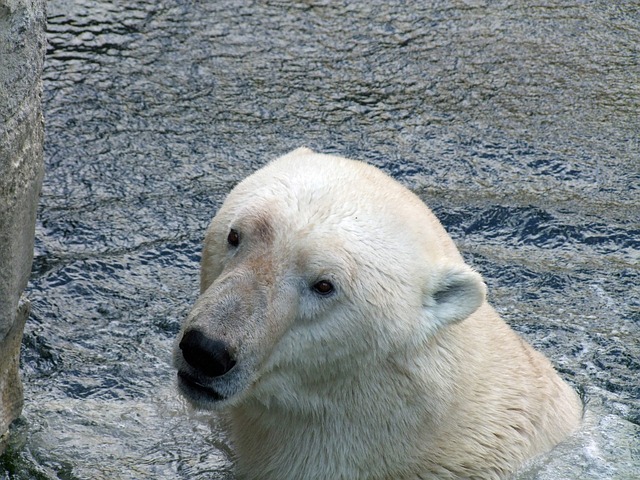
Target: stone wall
<point>22,48</point>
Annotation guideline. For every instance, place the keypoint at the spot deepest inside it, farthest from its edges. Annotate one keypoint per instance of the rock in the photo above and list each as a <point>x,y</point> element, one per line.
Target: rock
<point>22,48</point>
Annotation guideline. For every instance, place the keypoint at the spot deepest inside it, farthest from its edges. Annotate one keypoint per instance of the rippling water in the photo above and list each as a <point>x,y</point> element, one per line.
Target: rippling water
<point>517,123</point>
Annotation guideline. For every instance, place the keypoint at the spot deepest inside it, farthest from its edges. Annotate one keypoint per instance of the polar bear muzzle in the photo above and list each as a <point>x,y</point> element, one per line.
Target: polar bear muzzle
<point>209,357</point>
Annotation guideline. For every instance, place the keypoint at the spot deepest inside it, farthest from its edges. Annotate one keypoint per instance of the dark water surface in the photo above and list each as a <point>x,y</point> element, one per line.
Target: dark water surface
<point>517,122</point>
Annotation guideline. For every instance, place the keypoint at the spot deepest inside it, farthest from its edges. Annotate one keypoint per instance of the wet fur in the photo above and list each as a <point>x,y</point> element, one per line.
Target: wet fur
<point>405,372</point>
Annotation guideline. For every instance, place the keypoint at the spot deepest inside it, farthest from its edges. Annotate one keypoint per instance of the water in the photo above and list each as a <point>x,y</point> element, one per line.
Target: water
<point>517,123</point>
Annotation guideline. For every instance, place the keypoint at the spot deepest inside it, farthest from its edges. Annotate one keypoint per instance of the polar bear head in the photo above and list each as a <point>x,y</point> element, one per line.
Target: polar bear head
<point>316,266</point>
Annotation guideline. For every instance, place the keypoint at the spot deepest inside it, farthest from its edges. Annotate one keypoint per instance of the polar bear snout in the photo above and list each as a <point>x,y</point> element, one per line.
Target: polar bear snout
<point>209,357</point>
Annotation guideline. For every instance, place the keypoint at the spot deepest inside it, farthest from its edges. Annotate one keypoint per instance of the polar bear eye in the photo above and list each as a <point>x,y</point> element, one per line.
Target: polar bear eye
<point>323,287</point>
<point>233,238</point>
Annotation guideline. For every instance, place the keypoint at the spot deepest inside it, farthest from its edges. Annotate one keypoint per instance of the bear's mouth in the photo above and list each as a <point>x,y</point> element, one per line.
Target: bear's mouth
<point>192,387</point>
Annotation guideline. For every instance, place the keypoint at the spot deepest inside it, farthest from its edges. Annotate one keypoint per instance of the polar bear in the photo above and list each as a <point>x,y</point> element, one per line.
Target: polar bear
<point>342,336</point>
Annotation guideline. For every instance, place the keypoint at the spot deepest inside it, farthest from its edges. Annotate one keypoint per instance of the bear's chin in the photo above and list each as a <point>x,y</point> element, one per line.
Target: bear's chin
<point>197,394</point>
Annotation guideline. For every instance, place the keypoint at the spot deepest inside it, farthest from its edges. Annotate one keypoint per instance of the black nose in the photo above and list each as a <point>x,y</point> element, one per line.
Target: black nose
<point>210,357</point>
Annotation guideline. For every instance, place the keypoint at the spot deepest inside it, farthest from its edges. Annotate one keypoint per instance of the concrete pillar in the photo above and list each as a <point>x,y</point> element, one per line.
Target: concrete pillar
<point>22,48</point>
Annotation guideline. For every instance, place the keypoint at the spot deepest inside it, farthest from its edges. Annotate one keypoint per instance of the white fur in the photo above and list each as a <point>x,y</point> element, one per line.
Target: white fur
<point>403,372</point>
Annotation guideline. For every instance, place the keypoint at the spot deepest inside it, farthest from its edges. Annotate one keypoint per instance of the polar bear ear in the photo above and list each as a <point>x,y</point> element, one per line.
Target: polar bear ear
<point>455,293</point>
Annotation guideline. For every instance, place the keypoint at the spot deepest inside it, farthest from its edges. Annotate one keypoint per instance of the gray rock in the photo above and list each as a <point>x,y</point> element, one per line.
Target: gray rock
<point>22,48</point>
